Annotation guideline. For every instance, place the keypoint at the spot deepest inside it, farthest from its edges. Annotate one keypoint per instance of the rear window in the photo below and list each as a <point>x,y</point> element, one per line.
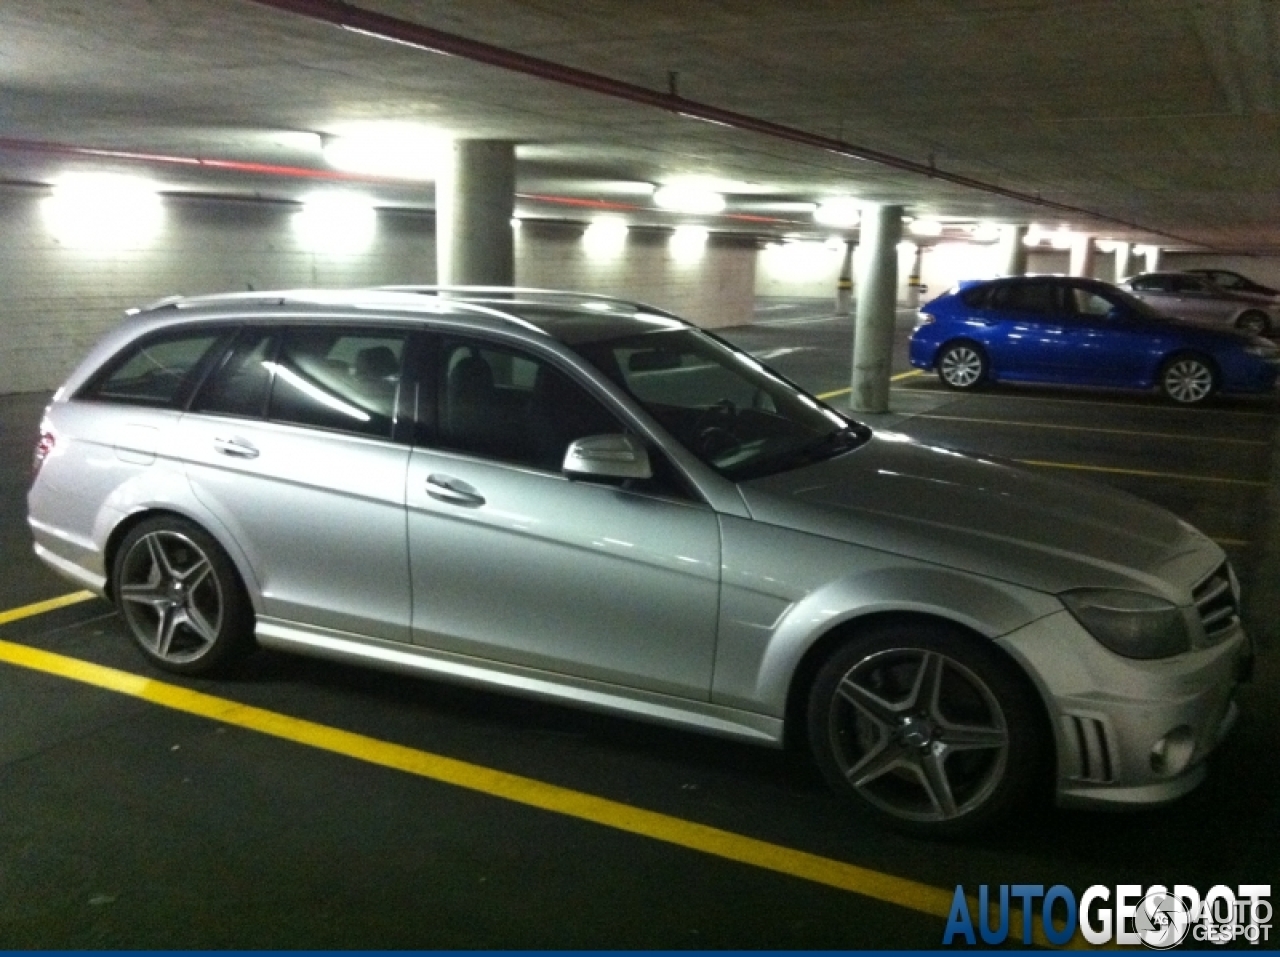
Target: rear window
<point>156,371</point>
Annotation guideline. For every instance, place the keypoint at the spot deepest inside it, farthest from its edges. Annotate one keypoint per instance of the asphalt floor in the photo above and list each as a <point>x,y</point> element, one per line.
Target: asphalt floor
<point>305,804</point>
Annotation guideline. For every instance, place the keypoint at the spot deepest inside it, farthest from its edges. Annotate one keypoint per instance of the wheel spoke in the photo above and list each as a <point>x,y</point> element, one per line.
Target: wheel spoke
<point>197,573</point>
<point>926,692</point>
<point>884,714</point>
<point>877,762</point>
<point>150,594</point>
<point>933,775</point>
<point>166,628</point>
<point>961,737</point>
<point>197,622</point>
<point>160,558</point>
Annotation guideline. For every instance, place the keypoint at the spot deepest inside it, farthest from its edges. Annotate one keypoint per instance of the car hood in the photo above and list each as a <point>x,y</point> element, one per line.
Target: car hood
<point>987,517</point>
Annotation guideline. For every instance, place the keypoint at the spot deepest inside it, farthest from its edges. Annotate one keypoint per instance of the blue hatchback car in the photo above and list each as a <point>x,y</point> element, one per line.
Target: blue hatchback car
<point>1071,331</point>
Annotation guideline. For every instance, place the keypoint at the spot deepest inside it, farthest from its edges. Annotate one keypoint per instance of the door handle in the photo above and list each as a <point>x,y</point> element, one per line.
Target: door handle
<point>452,490</point>
<point>236,448</point>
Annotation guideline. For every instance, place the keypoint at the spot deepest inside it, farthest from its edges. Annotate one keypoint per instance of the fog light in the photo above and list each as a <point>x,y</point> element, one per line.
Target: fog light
<point>1172,753</point>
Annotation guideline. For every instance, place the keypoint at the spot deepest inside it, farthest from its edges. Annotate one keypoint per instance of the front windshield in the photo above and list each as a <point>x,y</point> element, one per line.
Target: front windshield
<point>725,407</point>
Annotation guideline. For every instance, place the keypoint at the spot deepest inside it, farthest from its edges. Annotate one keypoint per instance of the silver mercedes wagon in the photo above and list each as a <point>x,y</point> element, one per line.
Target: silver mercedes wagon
<point>594,502</point>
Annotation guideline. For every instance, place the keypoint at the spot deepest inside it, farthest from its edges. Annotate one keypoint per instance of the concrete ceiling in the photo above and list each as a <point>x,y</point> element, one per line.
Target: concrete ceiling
<point>1148,120</point>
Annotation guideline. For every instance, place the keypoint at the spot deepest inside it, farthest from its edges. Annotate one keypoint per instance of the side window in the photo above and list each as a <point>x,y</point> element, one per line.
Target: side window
<point>1150,284</point>
<point>332,378</point>
<point>978,297</point>
<point>158,371</point>
<point>510,406</point>
<point>1188,284</point>
<point>1034,297</point>
<point>1086,302</point>
<point>239,386</point>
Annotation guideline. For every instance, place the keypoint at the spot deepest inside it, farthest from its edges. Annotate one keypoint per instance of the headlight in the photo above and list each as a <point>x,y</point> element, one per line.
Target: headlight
<point>1130,623</point>
<point>923,319</point>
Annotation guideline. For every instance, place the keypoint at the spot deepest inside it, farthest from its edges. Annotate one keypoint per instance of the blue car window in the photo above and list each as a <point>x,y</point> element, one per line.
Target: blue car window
<point>1037,297</point>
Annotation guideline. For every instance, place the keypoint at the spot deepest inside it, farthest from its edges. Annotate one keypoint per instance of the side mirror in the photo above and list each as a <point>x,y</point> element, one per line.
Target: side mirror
<point>607,456</point>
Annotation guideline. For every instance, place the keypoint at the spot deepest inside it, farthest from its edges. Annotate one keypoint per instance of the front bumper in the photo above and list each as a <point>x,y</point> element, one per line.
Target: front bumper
<point>1129,732</point>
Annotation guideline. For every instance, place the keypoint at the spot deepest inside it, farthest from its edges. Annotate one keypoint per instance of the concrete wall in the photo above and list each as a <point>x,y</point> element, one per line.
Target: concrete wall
<point>712,284</point>
<point>60,292</point>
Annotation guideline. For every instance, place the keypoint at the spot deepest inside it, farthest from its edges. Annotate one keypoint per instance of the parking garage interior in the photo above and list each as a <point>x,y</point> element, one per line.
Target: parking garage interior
<point>723,163</point>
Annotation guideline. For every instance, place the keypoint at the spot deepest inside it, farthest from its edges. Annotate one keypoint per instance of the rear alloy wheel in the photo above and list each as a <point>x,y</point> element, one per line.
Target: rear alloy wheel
<point>929,728</point>
<point>963,365</point>
<point>1254,322</point>
<point>181,598</point>
<point>1188,380</point>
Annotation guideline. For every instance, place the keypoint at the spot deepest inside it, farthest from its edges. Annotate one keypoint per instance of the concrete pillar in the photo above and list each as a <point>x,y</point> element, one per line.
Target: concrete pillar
<point>1153,259</point>
<point>1123,269</point>
<point>877,300</point>
<point>1012,250</point>
<point>1083,252</point>
<point>844,285</point>
<point>475,199</point>
<point>913,278</point>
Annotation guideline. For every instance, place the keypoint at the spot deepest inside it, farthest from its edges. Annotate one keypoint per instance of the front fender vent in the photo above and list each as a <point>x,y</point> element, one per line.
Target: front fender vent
<point>1088,740</point>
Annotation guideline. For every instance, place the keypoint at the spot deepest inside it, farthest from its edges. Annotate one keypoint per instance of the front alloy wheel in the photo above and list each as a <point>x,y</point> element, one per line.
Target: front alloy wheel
<point>932,730</point>
<point>1187,380</point>
<point>180,596</point>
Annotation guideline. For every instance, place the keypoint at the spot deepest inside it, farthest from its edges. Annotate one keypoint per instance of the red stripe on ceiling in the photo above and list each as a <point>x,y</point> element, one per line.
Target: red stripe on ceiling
<point>384,27</point>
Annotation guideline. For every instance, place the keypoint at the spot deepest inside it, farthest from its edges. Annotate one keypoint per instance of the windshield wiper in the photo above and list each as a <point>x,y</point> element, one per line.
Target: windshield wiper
<point>828,447</point>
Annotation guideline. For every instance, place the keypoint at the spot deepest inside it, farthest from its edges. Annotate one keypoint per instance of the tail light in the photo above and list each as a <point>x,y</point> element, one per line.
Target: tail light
<point>44,445</point>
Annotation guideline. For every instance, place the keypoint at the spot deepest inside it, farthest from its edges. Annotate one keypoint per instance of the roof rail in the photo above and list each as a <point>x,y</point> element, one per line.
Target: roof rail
<point>531,291</point>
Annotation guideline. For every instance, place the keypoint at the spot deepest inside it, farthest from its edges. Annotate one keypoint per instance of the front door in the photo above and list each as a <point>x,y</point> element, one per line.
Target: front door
<point>514,563</point>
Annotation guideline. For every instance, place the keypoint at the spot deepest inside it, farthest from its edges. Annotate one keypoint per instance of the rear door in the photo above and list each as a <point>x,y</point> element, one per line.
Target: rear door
<point>1023,329</point>
<point>292,444</point>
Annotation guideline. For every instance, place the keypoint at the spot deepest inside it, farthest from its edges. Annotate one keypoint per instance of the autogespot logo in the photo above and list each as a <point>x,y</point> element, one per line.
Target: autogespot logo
<point>1158,917</point>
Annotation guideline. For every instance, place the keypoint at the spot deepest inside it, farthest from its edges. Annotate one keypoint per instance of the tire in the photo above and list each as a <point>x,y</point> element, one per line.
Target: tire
<point>963,366</point>
<point>930,729</point>
<point>181,598</point>
<point>1254,322</point>
<point>1188,380</point>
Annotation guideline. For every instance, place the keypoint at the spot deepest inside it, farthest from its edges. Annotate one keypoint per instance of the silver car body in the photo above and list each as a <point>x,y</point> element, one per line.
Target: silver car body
<point>1197,299</point>
<point>699,612</point>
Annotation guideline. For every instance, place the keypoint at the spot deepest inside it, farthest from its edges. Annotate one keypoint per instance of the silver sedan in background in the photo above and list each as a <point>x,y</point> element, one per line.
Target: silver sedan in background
<point>1196,299</point>
<point>596,503</point>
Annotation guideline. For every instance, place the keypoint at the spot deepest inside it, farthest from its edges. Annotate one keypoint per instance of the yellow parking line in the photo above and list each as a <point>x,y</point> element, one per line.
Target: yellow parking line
<point>839,392</point>
<point>1179,476</point>
<point>899,891</point>
<point>1120,399</point>
<point>1088,428</point>
<point>40,607</point>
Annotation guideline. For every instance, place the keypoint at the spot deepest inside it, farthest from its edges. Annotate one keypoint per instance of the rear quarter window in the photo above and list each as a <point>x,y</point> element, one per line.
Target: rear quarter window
<point>159,370</point>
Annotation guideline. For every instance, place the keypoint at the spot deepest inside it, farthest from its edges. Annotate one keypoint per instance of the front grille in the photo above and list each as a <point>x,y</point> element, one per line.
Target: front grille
<point>1215,599</point>
<point>1093,753</point>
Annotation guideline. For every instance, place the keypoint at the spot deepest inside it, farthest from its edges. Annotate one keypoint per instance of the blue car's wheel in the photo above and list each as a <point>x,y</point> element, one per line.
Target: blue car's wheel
<point>963,365</point>
<point>1188,379</point>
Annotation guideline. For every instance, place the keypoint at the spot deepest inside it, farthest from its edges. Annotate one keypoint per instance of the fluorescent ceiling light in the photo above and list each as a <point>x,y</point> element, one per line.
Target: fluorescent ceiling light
<point>605,236</point>
<point>926,227</point>
<point>839,211</point>
<point>336,223</point>
<point>685,198</point>
<point>393,154</point>
<point>103,210</point>
<point>688,242</point>
<point>985,232</point>
<point>1062,239</point>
